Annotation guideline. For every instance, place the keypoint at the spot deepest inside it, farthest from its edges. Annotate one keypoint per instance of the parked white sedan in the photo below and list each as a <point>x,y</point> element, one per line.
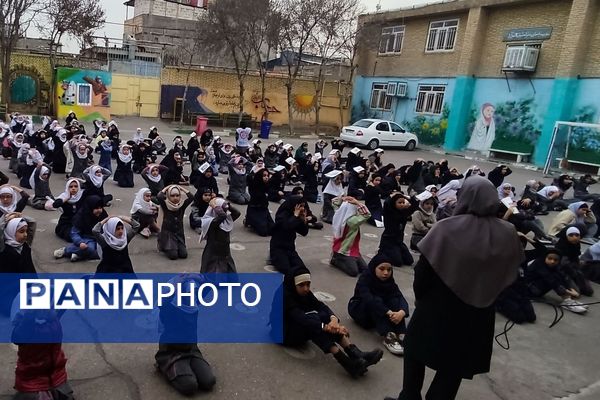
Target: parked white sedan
<point>374,133</point>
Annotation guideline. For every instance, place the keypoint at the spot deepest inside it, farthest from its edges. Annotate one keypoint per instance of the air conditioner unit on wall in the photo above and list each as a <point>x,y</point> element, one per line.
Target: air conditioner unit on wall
<point>391,88</point>
<point>402,89</point>
<point>520,58</point>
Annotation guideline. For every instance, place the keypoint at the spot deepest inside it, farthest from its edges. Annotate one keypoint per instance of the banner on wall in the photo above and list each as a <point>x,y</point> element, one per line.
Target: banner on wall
<point>84,92</point>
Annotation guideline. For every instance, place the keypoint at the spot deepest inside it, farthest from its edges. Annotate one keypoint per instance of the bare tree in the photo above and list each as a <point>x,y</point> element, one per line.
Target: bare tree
<point>300,19</point>
<point>15,18</point>
<point>231,24</point>
<point>264,31</point>
<point>335,30</point>
<point>366,38</point>
<point>75,18</point>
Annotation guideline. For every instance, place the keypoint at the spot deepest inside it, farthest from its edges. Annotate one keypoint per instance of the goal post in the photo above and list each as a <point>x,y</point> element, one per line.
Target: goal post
<point>571,138</point>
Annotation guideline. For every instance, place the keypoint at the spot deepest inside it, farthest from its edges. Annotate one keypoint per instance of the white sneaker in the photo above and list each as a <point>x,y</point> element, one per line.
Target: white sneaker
<point>145,233</point>
<point>573,306</point>
<point>59,253</point>
<point>392,344</point>
<point>74,257</point>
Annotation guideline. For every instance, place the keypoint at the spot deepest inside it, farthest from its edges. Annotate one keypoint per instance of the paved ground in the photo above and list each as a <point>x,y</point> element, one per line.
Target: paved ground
<point>542,363</point>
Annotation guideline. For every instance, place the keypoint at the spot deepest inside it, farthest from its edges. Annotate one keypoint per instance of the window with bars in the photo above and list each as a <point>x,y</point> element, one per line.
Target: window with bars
<point>430,99</point>
<point>442,35</point>
<point>391,40</point>
<point>379,98</point>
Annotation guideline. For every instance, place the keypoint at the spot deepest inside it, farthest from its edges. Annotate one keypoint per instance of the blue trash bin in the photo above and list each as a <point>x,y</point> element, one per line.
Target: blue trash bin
<point>265,129</point>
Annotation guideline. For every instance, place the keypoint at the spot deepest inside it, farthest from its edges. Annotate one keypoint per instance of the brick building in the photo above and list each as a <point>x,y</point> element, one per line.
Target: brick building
<point>485,73</point>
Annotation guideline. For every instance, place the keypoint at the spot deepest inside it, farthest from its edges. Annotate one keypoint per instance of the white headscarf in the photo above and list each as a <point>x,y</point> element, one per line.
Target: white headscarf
<point>16,142</point>
<point>43,170</point>
<point>345,212</point>
<point>141,205</point>
<point>66,195</point>
<point>13,206</point>
<point>24,150</point>
<point>82,156</point>
<point>96,180</point>
<point>546,190</point>
<point>210,215</point>
<point>62,135</point>
<point>108,233</point>
<point>10,233</point>
<point>449,191</point>
<point>333,188</point>
<point>501,194</point>
<point>138,136</point>
<point>153,178</point>
<point>125,158</point>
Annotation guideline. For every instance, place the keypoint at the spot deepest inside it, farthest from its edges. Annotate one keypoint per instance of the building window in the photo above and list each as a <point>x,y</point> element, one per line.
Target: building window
<point>391,40</point>
<point>442,35</point>
<point>430,99</point>
<point>84,94</point>
<point>379,98</point>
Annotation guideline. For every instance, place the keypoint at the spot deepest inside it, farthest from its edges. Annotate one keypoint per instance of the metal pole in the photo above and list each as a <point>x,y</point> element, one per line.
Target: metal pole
<point>549,156</point>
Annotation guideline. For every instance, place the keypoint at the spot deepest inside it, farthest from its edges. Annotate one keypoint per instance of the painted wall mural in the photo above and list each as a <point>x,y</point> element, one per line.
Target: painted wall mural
<point>584,143</point>
<point>85,92</point>
<point>510,125</point>
<point>430,130</point>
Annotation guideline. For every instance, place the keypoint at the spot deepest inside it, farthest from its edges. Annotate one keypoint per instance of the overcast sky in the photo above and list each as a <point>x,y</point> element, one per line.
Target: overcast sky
<point>116,13</point>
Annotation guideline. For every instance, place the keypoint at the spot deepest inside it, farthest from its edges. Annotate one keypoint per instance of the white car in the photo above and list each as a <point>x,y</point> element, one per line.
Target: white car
<point>374,133</point>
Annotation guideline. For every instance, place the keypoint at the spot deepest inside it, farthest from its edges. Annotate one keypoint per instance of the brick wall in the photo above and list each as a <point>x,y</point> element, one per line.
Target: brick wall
<point>549,13</point>
<point>221,90</point>
<point>413,60</point>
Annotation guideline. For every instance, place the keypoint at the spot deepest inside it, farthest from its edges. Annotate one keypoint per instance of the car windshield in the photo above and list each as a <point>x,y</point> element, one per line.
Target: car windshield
<point>363,123</point>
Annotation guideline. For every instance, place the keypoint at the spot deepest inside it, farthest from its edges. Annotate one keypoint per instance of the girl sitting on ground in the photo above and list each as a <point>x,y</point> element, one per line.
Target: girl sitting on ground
<point>276,185</point>
<point>69,202</point>
<point>9,201</point>
<point>290,220</point>
<point>153,175</point>
<point>113,235</point>
<point>544,275</point>
<point>171,239</point>
<point>577,214</point>
<point>258,216</point>
<point>83,244</point>
<point>145,213</point>
<point>124,172</point>
<point>373,196</point>
<point>378,303</point>
<point>199,206</point>
<point>422,220</point>
<point>238,181</point>
<point>569,244</point>
<point>306,318</point>
<point>347,220</point>
<point>182,364</point>
<point>95,176</point>
<point>40,182</point>
<point>333,189</point>
<point>217,224</point>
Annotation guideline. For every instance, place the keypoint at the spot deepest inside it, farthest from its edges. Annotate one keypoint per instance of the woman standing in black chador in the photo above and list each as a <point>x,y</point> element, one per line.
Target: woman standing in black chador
<point>289,221</point>
<point>452,327</point>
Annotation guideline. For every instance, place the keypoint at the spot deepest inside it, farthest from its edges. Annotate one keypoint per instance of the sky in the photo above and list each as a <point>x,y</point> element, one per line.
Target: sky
<point>116,13</point>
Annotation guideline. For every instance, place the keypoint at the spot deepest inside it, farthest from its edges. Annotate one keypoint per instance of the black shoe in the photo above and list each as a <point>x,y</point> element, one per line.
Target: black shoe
<point>355,367</point>
<point>370,357</point>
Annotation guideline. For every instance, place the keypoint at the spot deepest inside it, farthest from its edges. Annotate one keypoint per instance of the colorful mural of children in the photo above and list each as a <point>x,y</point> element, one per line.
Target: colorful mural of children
<point>484,131</point>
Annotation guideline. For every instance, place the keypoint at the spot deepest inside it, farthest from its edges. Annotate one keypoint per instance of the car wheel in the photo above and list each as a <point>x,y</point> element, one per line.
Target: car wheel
<point>410,146</point>
<point>373,144</point>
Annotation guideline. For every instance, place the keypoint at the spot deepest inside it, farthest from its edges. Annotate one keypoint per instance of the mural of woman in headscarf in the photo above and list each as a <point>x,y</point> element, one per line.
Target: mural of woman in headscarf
<point>484,132</point>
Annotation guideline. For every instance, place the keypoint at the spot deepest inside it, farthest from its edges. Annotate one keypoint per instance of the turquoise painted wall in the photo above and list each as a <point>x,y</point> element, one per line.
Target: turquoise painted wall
<point>524,111</point>
<point>430,128</point>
